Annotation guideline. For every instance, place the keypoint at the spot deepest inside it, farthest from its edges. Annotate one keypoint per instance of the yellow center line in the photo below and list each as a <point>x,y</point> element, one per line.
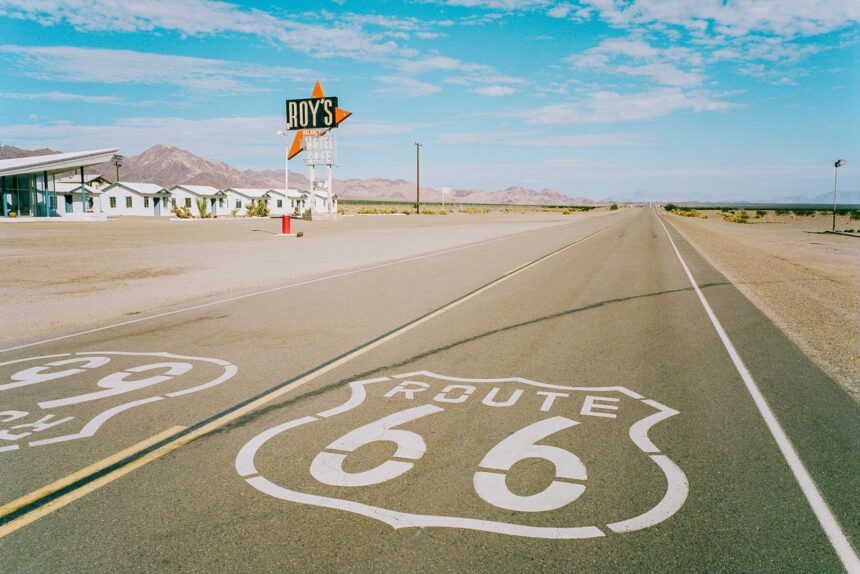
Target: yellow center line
<point>226,418</point>
<point>49,489</point>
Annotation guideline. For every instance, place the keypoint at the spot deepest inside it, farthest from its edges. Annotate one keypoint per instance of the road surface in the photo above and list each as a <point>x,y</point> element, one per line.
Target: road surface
<point>587,397</point>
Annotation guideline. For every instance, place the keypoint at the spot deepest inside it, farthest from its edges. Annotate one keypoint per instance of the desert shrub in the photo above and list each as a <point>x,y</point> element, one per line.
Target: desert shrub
<point>474,210</point>
<point>203,208</point>
<point>428,212</point>
<point>181,212</point>
<point>739,217</point>
<point>780,211</point>
<point>670,207</point>
<point>613,207</point>
<point>855,214</point>
<point>760,213</point>
<point>234,212</point>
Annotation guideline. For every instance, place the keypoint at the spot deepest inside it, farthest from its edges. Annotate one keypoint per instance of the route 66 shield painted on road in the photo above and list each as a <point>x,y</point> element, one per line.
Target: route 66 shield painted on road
<point>59,398</point>
<point>509,456</point>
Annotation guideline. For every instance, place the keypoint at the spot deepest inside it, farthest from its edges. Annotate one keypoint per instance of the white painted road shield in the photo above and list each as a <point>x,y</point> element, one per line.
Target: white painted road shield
<point>509,456</point>
<point>55,399</point>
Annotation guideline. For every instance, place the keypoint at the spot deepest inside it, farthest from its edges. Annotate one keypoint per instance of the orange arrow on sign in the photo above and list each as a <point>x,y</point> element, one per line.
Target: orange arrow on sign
<point>339,115</point>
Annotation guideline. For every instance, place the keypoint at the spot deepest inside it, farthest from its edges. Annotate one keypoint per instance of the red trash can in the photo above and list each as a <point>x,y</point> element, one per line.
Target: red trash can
<point>285,224</point>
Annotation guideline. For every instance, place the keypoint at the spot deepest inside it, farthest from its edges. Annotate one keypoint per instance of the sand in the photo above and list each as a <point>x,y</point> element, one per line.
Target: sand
<point>805,281</point>
<point>62,277</point>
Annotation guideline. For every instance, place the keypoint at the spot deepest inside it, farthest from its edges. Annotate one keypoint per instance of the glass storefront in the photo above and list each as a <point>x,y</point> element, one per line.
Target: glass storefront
<point>27,195</point>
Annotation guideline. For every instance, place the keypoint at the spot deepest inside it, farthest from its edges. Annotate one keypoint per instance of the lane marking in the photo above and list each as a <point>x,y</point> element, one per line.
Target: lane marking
<point>62,483</point>
<point>825,516</point>
<point>284,287</point>
<point>136,458</point>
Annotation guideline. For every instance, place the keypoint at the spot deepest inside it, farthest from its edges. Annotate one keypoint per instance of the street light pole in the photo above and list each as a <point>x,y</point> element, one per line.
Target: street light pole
<point>418,178</point>
<point>839,163</point>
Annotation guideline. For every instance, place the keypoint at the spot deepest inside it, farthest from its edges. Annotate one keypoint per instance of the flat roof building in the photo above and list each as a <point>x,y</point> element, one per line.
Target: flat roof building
<point>28,187</point>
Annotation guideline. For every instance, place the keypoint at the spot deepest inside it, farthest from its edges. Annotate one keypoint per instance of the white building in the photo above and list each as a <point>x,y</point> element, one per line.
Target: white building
<point>239,198</point>
<point>68,199</point>
<point>28,185</point>
<point>129,198</point>
<point>292,202</point>
<point>95,180</point>
<point>188,196</point>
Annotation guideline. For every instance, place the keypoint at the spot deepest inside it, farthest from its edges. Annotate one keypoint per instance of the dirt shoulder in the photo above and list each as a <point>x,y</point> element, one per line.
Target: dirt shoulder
<point>60,277</point>
<point>806,282</point>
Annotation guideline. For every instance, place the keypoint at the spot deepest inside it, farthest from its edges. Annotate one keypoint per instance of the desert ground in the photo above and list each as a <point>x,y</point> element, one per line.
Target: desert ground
<point>806,281</point>
<point>65,276</point>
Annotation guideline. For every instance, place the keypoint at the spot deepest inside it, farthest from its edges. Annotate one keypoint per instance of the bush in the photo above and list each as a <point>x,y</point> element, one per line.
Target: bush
<point>613,207</point>
<point>855,214</point>
<point>670,207</point>
<point>780,211</point>
<point>181,212</point>
<point>760,213</point>
<point>203,208</point>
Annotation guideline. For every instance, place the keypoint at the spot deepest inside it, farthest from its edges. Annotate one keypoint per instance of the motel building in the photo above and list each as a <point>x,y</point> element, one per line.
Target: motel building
<point>188,195</point>
<point>294,201</point>
<point>28,185</point>
<point>131,198</point>
<point>94,180</point>
<point>70,200</point>
<point>239,198</point>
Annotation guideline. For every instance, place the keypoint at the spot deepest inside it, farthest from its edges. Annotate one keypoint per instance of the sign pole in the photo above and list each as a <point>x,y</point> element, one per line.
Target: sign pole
<point>330,200</point>
<point>418,178</point>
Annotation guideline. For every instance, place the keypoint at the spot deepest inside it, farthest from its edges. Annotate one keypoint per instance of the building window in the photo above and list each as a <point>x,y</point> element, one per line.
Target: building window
<point>220,202</point>
<point>187,202</point>
<point>173,201</point>
<point>54,202</point>
<point>146,202</point>
<point>113,203</point>
<point>238,204</point>
<point>128,201</point>
<point>280,203</point>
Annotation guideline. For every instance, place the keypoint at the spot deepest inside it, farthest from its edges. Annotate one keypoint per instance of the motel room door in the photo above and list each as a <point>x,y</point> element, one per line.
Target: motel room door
<point>156,205</point>
<point>212,205</point>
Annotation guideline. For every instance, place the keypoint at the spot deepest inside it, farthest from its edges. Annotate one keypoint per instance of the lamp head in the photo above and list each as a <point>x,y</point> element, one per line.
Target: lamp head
<point>839,163</point>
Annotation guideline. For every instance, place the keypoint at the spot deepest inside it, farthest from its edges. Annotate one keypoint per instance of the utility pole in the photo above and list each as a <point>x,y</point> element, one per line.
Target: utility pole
<point>418,178</point>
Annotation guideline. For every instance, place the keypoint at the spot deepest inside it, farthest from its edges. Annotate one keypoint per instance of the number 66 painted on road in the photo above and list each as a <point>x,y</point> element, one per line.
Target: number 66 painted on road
<point>327,467</point>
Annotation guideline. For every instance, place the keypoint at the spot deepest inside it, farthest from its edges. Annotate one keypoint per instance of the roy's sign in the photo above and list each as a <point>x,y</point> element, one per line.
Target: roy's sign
<point>312,113</point>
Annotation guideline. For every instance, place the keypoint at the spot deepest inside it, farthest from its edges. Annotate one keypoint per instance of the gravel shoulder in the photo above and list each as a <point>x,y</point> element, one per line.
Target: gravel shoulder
<point>65,276</point>
<point>805,281</point>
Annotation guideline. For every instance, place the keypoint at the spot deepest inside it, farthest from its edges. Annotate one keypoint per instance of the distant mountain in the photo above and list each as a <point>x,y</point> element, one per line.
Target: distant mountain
<point>168,166</point>
<point>12,152</point>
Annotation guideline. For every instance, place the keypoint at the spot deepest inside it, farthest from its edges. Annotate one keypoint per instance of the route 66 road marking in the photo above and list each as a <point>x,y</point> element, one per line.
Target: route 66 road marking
<point>424,413</point>
<point>64,382</point>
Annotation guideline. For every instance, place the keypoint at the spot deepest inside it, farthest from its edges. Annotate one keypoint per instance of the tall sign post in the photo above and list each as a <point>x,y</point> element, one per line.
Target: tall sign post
<point>313,119</point>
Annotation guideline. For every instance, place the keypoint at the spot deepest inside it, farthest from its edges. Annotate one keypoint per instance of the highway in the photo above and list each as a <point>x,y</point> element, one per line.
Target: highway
<point>588,397</point>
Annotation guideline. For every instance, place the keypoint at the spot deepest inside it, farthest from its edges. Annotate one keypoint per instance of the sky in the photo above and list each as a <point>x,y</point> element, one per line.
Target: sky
<point>625,99</point>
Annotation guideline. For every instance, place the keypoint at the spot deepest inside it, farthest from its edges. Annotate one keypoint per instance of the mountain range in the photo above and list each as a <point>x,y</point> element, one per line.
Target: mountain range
<point>167,166</point>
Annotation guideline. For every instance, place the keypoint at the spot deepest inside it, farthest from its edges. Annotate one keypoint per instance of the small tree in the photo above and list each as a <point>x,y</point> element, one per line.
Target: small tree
<point>203,208</point>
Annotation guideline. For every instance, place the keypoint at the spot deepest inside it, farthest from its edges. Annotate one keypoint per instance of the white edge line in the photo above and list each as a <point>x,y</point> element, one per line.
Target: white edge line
<point>271,290</point>
<point>825,516</point>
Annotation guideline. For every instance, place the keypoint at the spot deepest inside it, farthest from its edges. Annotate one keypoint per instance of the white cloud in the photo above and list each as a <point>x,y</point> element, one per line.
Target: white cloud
<point>499,4</point>
<point>74,64</point>
<point>609,107</point>
<point>633,57</point>
<point>735,17</point>
<point>62,97</point>
<point>495,91</point>
<point>540,139</point>
<point>406,86</point>
<point>201,17</point>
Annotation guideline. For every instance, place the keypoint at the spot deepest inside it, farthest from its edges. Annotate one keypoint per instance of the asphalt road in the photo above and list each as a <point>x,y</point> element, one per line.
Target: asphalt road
<point>558,400</point>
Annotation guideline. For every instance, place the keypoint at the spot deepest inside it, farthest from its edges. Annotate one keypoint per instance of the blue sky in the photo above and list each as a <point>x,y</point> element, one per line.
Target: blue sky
<point>629,99</point>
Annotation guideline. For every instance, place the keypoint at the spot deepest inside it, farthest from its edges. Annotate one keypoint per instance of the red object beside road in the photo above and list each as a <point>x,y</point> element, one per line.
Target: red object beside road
<point>285,224</point>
